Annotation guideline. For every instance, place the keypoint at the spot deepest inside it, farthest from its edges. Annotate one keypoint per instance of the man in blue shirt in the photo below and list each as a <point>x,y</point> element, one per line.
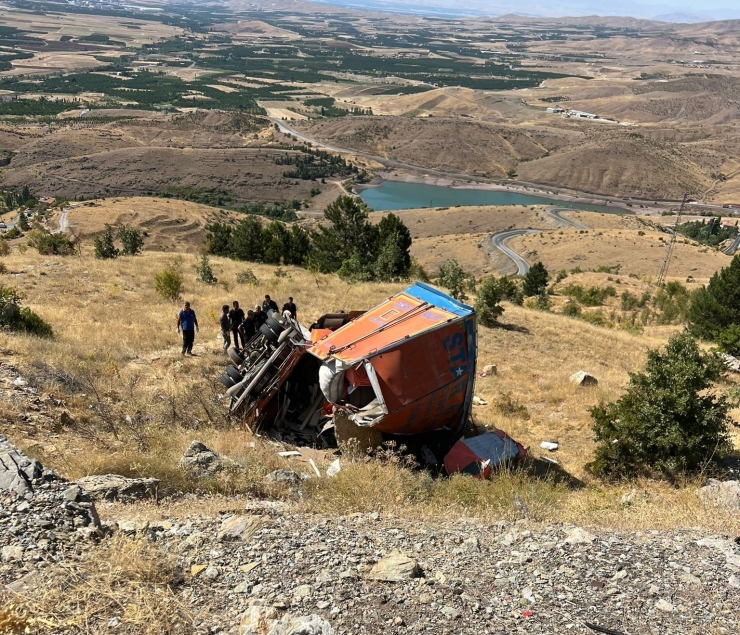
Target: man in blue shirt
<point>187,321</point>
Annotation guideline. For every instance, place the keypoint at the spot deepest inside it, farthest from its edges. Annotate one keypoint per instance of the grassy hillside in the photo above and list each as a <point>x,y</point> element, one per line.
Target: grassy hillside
<point>115,354</point>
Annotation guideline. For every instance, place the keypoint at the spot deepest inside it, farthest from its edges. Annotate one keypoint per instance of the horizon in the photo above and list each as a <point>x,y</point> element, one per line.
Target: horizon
<point>678,12</point>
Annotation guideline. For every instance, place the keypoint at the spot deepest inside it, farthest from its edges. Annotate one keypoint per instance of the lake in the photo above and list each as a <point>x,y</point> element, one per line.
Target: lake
<point>392,195</point>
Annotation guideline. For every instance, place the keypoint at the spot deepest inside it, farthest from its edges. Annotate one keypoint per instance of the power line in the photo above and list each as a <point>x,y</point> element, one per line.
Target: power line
<point>671,244</point>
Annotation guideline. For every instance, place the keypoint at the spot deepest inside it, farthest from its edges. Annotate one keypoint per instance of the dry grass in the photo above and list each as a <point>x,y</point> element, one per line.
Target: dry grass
<point>636,254</point>
<point>130,582</point>
<point>116,353</point>
<point>170,225</point>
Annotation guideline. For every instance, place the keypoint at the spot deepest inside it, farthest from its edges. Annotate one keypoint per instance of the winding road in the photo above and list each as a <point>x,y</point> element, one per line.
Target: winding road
<point>733,247</point>
<point>499,242</point>
<point>555,213</point>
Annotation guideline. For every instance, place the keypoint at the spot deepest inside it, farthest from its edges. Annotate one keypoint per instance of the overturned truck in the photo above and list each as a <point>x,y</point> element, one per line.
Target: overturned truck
<point>405,367</point>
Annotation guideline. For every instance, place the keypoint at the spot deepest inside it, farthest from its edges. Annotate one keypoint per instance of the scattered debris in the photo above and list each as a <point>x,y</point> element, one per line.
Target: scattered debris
<point>582,378</point>
<point>395,567</point>
<point>120,488</point>
<point>264,620</point>
<point>315,469</point>
<point>477,401</point>
<point>549,445</point>
<point>479,455</point>
<point>732,363</point>
<point>240,527</point>
<point>333,469</point>
<point>601,629</point>
<point>489,369</point>
<point>289,453</point>
<point>204,462</point>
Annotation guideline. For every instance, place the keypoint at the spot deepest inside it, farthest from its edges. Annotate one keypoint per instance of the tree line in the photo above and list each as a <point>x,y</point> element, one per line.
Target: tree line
<point>347,243</point>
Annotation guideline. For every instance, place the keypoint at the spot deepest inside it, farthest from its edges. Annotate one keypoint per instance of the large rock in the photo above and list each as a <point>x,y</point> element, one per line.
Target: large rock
<point>116,487</point>
<point>396,567</point>
<point>17,471</point>
<point>582,378</point>
<point>721,493</point>
<point>240,527</point>
<point>263,620</point>
<point>204,462</point>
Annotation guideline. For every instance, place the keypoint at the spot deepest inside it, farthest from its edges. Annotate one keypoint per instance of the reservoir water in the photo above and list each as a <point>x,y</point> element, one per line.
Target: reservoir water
<point>392,195</point>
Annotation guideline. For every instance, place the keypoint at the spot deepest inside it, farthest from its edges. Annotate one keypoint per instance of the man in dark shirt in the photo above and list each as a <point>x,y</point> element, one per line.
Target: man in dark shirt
<point>248,328</point>
<point>260,317</point>
<point>236,317</point>
<point>291,308</point>
<point>268,304</point>
<point>187,321</point>
<point>225,323</point>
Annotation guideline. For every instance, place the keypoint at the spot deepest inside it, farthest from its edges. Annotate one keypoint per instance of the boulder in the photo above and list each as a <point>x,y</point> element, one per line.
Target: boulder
<point>120,488</point>
<point>284,477</point>
<point>721,493</point>
<point>263,620</point>
<point>17,471</point>
<point>240,527</point>
<point>204,462</point>
<point>396,567</point>
<point>582,378</point>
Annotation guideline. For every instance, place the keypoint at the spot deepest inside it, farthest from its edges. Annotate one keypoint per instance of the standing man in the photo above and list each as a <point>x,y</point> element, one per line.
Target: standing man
<point>225,324</point>
<point>187,321</point>
<point>236,317</point>
<point>260,317</point>
<point>268,304</point>
<point>247,328</point>
<point>291,308</point>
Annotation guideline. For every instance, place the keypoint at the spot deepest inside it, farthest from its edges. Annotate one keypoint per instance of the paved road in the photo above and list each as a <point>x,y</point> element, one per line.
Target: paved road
<point>733,247</point>
<point>555,213</point>
<point>499,240</point>
<point>63,222</point>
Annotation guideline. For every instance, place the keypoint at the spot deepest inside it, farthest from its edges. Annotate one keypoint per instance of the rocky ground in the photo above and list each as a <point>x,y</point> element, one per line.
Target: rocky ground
<point>263,567</point>
<point>266,567</point>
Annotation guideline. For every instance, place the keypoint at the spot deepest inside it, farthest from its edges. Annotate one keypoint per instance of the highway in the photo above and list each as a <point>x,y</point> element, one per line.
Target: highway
<point>555,213</point>
<point>733,247</point>
<point>499,240</point>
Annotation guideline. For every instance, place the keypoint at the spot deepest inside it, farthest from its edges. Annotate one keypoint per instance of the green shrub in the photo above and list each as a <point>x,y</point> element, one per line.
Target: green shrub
<point>488,303</point>
<point>50,244</point>
<point>668,422</point>
<point>204,271</point>
<point>542,302</point>
<point>454,278</point>
<point>131,238</point>
<point>247,277</point>
<point>571,309</point>
<point>103,244</point>
<point>15,317</point>
<point>673,300</point>
<point>169,282</point>
<point>593,296</point>
<point>728,341</point>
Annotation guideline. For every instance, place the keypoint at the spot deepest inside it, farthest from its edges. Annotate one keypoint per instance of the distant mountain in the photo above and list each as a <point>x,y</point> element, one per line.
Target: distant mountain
<point>664,11</point>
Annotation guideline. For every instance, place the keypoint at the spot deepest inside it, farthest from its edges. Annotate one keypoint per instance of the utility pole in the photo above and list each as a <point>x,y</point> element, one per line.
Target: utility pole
<point>671,245</point>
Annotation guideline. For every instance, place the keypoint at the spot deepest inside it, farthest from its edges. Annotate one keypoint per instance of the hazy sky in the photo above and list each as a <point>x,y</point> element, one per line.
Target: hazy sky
<point>700,9</point>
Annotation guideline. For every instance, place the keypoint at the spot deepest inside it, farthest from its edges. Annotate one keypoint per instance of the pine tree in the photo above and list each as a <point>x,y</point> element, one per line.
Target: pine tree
<point>535,282</point>
<point>716,306</point>
<point>104,247</point>
<point>669,421</point>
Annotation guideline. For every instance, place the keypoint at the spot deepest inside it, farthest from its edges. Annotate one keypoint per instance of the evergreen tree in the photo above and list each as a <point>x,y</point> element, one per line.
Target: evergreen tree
<point>131,238</point>
<point>669,421</point>
<point>349,235</point>
<point>535,282</point>
<point>716,306</point>
<point>454,278</point>
<point>218,239</point>
<point>104,247</point>
<point>394,242</point>
<point>248,241</point>
<point>488,303</point>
